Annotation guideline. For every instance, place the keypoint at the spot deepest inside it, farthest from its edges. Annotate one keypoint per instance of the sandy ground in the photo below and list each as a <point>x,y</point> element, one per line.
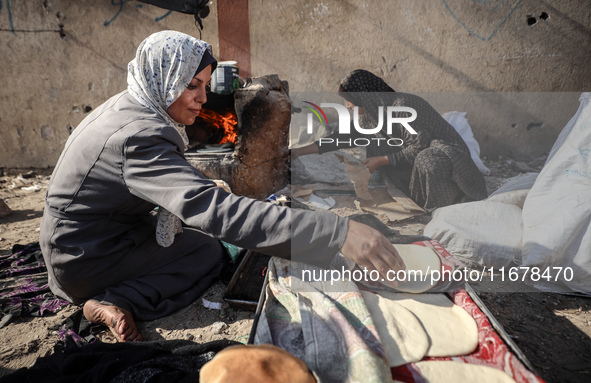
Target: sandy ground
<point>553,331</point>
<point>23,340</point>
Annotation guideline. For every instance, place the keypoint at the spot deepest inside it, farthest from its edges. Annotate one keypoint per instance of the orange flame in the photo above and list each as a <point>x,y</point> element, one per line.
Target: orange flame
<point>227,122</point>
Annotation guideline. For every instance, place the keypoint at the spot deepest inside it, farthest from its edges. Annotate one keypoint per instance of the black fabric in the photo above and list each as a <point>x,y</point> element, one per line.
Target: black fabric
<point>76,330</point>
<point>23,285</point>
<point>206,60</point>
<point>192,7</point>
<point>366,90</point>
<point>161,361</point>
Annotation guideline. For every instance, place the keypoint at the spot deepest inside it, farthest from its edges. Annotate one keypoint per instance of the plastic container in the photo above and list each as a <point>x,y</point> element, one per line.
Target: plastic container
<point>225,78</point>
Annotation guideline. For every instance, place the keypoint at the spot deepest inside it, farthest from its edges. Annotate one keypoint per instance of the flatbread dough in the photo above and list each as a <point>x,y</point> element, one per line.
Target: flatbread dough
<point>450,329</point>
<point>422,261</point>
<point>402,335</point>
<point>445,372</point>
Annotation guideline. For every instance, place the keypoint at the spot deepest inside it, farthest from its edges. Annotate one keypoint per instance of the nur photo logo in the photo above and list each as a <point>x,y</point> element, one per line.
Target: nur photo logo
<point>394,115</point>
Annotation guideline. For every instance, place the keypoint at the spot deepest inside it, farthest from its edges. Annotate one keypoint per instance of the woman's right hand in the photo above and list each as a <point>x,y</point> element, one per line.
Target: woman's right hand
<point>373,163</point>
<point>308,149</point>
<point>368,248</point>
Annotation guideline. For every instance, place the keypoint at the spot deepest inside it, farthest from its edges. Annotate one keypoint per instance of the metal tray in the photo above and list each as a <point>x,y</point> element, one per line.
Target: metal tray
<point>244,290</point>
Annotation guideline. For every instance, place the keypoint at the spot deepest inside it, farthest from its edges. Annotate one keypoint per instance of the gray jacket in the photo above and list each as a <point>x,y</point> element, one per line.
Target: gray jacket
<point>120,163</point>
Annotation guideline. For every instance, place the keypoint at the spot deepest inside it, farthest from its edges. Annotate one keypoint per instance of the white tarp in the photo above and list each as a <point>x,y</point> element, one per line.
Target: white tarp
<point>460,123</point>
<point>485,233</point>
<point>514,190</point>
<point>473,232</point>
<point>550,212</point>
<point>557,210</point>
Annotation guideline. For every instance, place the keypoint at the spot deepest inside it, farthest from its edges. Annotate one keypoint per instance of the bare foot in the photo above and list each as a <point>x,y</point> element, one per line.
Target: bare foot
<point>119,321</point>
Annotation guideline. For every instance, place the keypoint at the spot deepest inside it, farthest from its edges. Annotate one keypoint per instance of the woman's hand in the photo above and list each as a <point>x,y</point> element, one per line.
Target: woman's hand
<point>373,163</point>
<point>368,248</point>
<point>308,149</point>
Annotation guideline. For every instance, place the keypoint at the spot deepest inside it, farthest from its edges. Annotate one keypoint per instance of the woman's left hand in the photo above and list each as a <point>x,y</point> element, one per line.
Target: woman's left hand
<point>373,163</point>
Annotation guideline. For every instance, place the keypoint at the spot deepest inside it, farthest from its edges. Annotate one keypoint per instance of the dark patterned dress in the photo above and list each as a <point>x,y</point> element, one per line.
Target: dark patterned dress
<point>433,167</point>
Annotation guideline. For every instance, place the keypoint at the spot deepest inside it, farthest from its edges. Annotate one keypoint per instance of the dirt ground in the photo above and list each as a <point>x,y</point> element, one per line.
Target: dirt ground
<point>553,331</point>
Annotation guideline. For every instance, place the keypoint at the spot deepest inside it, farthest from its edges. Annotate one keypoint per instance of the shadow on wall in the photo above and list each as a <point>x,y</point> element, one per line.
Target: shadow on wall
<point>516,124</point>
<point>458,74</point>
<point>575,24</point>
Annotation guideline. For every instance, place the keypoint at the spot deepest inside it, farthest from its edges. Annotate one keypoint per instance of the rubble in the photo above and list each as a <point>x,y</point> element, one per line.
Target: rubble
<point>218,327</point>
<point>4,209</point>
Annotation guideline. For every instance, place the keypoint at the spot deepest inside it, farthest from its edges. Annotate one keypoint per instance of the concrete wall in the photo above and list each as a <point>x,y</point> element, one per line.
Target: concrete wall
<point>451,46</point>
<point>426,45</point>
<point>51,78</point>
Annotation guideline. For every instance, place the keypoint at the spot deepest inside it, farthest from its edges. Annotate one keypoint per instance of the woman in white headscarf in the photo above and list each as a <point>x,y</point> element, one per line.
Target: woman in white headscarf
<point>126,158</point>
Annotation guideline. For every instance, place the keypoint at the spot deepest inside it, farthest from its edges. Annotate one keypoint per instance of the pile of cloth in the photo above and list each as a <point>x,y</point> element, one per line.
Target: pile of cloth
<point>535,222</point>
<point>23,285</point>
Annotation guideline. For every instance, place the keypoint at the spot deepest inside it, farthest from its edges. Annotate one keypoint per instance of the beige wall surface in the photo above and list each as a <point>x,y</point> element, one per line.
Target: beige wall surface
<point>461,49</point>
<point>50,80</point>
<point>426,45</point>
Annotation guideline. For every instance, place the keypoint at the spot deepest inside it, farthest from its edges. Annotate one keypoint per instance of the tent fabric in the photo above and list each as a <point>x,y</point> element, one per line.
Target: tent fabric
<point>557,210</point>
<point>540,221</point>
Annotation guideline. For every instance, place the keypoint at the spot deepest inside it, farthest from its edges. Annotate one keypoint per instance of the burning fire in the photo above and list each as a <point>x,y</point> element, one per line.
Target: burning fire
<point>227,122</point>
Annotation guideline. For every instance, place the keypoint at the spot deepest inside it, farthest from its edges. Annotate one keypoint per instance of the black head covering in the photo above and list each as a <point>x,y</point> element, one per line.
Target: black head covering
<point>366,90</point>
<point>361,80</point>
<point>206,60</point>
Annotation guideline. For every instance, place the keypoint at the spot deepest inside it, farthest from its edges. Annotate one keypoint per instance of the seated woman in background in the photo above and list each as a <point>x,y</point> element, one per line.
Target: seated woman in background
<point>125,158</point>
<point>433,167</point>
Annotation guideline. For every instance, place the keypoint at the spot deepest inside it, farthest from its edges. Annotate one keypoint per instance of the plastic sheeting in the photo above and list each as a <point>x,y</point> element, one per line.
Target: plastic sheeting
<point>557,210</point>
<point>480,233</point>
<point>537,221</point>
<point>460,123</point>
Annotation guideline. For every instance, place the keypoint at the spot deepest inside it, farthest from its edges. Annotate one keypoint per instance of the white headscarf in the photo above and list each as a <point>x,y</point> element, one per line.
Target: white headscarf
<point>162,69</point>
